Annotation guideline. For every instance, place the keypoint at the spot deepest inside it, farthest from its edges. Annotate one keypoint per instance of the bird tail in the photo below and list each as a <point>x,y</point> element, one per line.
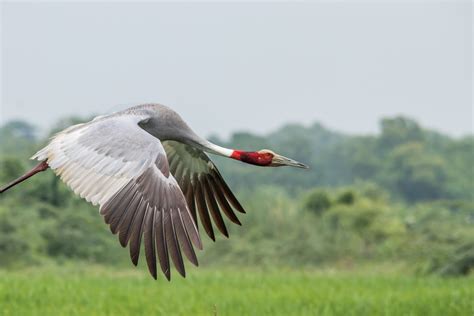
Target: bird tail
<point>42,166</point>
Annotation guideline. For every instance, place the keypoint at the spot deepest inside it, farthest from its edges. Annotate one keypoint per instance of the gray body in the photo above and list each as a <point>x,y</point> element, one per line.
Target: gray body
<point>148,172</point>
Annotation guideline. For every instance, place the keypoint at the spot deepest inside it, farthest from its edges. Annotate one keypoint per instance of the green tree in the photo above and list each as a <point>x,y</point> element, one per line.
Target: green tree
<point>317,202</point>
<point>415,174</point>
<point>399,130</point>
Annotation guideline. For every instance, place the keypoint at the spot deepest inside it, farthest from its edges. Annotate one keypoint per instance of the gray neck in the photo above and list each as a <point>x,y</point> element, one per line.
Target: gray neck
<point>196,141</point>
<point>169,126</point>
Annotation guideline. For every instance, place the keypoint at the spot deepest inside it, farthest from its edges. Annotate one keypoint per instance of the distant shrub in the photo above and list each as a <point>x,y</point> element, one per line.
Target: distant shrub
<point>10,169</point>
<point>317,202</point>
<point>347,197</point>
<point>461,262</point>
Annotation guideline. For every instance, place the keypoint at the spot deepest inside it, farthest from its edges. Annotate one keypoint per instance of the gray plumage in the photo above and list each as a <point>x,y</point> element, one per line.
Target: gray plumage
<point>147,171</point>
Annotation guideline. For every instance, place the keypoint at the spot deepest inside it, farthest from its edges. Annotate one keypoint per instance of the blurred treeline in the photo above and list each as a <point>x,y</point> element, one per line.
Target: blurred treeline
<point>403,196</point>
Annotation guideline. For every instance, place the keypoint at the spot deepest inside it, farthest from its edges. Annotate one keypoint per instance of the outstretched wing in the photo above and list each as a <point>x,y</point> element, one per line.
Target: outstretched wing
<point>113,162</point>
<point>203,186</point>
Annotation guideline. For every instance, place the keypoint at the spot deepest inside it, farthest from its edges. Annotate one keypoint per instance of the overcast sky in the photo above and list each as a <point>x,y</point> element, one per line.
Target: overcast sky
<point>227,67</point>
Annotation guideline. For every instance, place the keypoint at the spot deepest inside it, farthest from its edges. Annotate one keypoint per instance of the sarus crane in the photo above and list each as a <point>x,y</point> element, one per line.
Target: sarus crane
<point>151,176</point>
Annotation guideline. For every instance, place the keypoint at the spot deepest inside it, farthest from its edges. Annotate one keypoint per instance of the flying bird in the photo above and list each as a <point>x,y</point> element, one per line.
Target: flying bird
<point>151,177</point>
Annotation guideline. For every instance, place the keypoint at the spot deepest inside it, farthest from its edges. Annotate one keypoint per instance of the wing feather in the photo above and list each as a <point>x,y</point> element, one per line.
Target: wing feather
<point>172,242</point>
<point>116,164</point>
<point>127,219</point>
<point>161,246</point>
<point>149,242</point>
<point>212,206</point>
<point>227,192</point>
<point>203,212</point>
<point>183,238</point>
<point>136,233</point>
<point>190,200</point>
<point>224,205</point>
<point>205,190</point>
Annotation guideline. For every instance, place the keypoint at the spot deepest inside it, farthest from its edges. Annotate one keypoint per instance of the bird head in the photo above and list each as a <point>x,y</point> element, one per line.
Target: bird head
<point>277,160</point>
<point>266,158</point>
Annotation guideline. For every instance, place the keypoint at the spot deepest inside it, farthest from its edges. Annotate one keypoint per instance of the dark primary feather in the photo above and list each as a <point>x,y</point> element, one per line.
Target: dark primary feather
<point>149,237</point>
<point>183,238</point>
<point>203,212</point>
<point>136,232</point>
<point>154,212</point>
<point>161,247</point>
<point>203,186</point>
<point>212,206</point>
<point>172,242</point>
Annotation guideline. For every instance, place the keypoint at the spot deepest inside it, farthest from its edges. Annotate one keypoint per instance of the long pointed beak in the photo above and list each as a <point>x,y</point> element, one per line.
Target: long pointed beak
<point>285,161</point>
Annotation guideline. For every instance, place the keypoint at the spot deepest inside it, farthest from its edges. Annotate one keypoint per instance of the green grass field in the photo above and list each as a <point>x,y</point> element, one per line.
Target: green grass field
<point>95,291</point>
